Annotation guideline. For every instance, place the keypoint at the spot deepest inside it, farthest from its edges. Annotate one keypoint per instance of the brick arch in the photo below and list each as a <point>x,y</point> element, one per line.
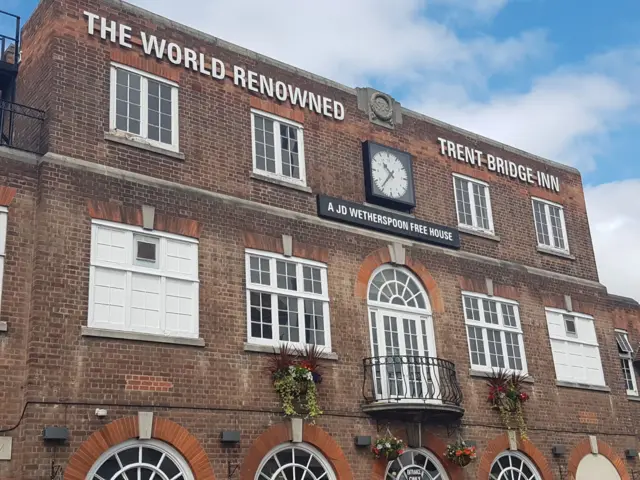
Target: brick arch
<point>125,429</point>
<point>583,449</point>
<point>437,447</point>
<point>501,443</point>
<point>311,434</point>
<point>382,256</point>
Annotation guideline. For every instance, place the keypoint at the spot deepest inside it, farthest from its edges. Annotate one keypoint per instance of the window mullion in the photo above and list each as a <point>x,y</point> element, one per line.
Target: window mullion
<point>505,355</point>
<point>302,327</point>
<point>127,301</point>
<point>275,325</point>
<point>485,345</point>
<point>277,141</point>
<point>144,107</point>
<point>163,304</point>
<point>472,204</point>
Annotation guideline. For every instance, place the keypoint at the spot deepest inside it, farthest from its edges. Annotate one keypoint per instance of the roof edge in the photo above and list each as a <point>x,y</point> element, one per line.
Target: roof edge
<point>330,83</point>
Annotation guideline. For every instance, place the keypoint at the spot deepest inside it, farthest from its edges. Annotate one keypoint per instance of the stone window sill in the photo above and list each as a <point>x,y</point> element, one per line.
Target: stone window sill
<point>141,337</point>
<point>633,398</point>
<point>112,137</point>
<point>482,374</point>
<point>556,253</point>
<point>282,183</point>
<point>3,326</point>
<point>583,386</point>
<point>478,233</point>
<point>252,347</point>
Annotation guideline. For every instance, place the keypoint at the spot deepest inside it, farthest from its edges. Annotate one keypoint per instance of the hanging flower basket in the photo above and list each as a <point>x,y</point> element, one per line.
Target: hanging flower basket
<point>295,376</point>
<point>507,396</point>
<point>460,454</point>
<point>388,447</point>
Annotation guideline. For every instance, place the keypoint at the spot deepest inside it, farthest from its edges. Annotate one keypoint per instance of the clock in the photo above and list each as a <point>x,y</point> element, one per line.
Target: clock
<point>388,176</point>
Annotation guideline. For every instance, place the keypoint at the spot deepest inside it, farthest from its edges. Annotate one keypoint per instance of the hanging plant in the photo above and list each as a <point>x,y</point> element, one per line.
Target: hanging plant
<point>460,454</point>
<point>295,376</point>
<point>388,447</point>
<point>507,395</point>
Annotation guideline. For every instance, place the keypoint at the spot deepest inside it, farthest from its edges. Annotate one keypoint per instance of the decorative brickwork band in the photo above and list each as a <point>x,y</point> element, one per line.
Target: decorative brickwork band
<point>382,256</point>
<point>499,444</point>
<point>583,449</point>
<point>279,434</point>
<point>437,448</point>
<point>275,109</point>
<point>577,305</point>
<point>136,60</point>
<point>133,216</point>
<point>479,285</point>
<point>7,194</point>
<point>125,429</point>
<point>265,243</point>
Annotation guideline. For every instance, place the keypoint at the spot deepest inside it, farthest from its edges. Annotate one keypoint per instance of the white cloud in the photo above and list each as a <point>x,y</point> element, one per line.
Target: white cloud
<point>354,41</point>
<point>614,218</point>
<point>562,117</point>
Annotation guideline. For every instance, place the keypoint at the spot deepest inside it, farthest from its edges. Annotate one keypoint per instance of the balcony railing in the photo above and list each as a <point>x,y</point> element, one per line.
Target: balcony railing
<point>21,127</point>
<point>404,382</point>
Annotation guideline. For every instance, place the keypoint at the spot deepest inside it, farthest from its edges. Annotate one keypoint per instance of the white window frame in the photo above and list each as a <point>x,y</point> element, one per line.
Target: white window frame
<point>499,327</point>
<point>299,294</point>
<point>4,219</point>
<point>302,181</point>
<point>628,359</point>
<point>474,217</point>
<point>547,216</point>
<point>132,267</point>
<point>574,339</point>
<point>143,137</point>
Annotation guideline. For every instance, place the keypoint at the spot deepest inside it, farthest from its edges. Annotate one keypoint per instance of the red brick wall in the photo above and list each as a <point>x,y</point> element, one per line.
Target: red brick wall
<point>65,367</point>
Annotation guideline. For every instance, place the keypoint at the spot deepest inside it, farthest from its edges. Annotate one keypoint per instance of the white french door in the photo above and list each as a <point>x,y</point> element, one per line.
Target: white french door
<point>402,343</point>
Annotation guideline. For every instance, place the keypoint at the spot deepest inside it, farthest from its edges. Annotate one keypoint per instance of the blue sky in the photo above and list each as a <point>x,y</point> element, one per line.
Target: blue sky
<point>556,78</point>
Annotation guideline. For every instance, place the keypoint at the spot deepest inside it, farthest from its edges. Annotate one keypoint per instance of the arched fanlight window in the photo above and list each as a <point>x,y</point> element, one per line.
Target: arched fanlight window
<point>396,286</point>
<point>294,461</point>
<point>415,465</point>
<point>141,460</point>
<point>513,466</point>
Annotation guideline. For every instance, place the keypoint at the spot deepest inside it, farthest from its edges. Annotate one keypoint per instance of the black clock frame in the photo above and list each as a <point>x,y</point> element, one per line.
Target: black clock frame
<point>404,203</point>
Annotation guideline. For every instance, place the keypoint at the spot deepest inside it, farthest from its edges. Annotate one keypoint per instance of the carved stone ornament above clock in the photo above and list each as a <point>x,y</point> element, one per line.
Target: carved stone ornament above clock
<point>381,108</point>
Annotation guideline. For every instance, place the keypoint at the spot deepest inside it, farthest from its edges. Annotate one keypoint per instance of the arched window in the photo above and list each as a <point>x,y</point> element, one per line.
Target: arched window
<point>415,465</point>
<point>402,342</point>
<point>513,466</point>
<point>141,460</point>
<point>398,287</point>
<point>294,461</point>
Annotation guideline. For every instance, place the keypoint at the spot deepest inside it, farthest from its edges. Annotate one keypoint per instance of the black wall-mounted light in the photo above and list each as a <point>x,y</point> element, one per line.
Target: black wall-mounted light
<point>55,434</point>
<point>230,436</point>
<point>362,441</point>
<point>558,450</point>
<point>631,453</point>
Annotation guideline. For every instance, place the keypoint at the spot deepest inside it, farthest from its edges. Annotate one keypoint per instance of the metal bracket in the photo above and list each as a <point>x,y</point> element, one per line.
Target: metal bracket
<point>56,471</point>
<point>454,426</point>
<point>231,469</point>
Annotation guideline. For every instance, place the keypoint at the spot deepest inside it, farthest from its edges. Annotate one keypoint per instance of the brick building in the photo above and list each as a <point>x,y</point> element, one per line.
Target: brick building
<point>174,208</point>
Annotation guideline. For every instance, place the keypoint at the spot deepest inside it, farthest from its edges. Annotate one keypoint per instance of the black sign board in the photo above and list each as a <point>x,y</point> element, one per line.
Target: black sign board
<point>388,222</point>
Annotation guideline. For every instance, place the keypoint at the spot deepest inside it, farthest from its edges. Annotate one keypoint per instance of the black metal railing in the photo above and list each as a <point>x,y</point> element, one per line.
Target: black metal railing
<point>21,127</point>
<point>9,35</point>
<point>404,378</point>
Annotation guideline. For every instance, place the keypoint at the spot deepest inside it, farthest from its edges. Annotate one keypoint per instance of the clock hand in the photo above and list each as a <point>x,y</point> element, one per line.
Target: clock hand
<point>389,177</point>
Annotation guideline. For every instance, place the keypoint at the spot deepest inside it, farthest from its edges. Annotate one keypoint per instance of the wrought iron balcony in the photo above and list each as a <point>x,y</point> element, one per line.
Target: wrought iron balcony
<point>414,387</point>
<point>21,127</point>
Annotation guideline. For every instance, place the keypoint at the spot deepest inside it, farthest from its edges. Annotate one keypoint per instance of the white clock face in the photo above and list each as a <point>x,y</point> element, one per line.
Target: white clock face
<point>389,174</point>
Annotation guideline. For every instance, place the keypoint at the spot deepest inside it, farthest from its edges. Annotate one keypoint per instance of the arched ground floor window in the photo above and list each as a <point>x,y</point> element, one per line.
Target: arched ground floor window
<point>294,461</point>
<point>141,460</point>
<point>513,466</point>
<point>415,465</point>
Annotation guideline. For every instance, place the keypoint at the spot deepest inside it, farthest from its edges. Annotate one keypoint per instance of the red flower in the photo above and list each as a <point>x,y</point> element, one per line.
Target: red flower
<point>458,453</point>
<point>524,397</point>
<point>400,452</point>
